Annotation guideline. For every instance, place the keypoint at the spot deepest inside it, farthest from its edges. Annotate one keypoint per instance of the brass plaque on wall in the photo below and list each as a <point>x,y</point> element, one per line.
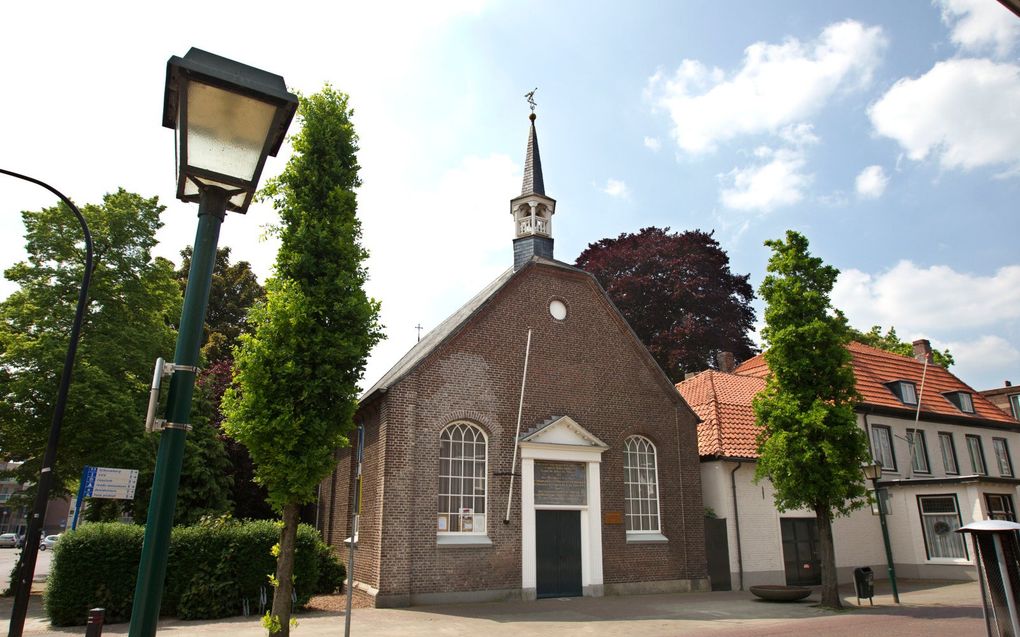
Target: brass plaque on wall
<point>562,483</point>
<point>612,517</point>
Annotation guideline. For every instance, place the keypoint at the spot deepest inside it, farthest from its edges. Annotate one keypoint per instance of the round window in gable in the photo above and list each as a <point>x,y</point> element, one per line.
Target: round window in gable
<point>558,309</point>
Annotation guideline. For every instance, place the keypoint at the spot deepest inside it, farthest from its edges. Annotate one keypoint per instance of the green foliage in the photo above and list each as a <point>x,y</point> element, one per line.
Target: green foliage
<point>297,375</point>
<point>332,572</point>
<point>296,378</point>
<point>890,342</point>
<point>212,567</point>
<point>133,300</point>
<point>811,447</point>
<point>235,288</point>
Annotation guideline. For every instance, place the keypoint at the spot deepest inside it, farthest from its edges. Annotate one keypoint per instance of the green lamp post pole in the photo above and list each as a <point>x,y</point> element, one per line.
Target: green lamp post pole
<point>228,118</point>
<point>873,472</point>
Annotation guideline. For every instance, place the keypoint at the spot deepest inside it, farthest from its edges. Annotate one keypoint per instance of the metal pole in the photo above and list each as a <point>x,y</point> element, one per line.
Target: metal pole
<point>26,562</point>
<point>170,458</point>
<point>354,531</point>
<point>520,411</point>
<point>888,546</point>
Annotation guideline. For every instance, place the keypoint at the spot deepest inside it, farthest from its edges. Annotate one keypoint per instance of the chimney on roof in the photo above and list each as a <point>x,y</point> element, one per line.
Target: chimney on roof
<point>922,350</point>
<point>726,362</point>
<point>1009,384</point>
<point>690,375</point>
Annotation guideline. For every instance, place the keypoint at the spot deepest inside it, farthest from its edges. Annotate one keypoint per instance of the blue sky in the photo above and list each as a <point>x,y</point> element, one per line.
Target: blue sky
<point>887,132</point>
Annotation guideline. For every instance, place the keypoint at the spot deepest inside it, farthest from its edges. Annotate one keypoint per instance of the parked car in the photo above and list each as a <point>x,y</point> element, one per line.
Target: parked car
<point>11,541</point>
<point>48,542</point>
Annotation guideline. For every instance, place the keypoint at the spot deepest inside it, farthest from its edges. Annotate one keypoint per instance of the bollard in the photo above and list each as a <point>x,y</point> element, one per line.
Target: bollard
<point>94,626</point>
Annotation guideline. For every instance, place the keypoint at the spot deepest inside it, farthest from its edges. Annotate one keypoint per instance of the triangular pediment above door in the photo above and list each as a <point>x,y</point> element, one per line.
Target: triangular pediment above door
<point>562,430</point>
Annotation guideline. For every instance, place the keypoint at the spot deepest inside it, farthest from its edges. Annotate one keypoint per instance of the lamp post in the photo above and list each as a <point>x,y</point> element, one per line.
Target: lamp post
<point>30,549</point>
<point>873,472</point>
<point>228,118</point>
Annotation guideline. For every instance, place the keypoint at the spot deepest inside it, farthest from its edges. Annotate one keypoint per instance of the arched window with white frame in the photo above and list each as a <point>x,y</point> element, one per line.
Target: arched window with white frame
<point>641,486</point>
<point>463,460</point>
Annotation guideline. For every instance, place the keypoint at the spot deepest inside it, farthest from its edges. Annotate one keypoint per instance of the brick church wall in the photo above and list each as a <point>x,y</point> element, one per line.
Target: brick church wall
<point>588,367</point>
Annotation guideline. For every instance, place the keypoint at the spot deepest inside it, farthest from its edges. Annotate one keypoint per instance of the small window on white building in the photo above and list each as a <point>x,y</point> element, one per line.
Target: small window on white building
<point>948,453</point>
<point>882,448</point>
<point>918,451</point>
<point>962,400</point>
<point>940,518</point>
<point>977,455</point>
<point>641,486</point>
<point>1002,457</point>
<point>1014,404</point>
<point>462,479</point>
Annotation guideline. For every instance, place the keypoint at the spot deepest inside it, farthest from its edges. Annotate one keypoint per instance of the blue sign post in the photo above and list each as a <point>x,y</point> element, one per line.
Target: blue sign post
<point>88,482</point>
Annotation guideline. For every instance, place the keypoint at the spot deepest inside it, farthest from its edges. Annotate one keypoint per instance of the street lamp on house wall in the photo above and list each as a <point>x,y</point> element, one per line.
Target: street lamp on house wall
<point>228,117</point>
<point>873,472</point>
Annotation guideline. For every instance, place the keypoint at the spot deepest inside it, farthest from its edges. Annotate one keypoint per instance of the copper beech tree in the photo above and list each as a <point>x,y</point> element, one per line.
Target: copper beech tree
<point>677,291</point>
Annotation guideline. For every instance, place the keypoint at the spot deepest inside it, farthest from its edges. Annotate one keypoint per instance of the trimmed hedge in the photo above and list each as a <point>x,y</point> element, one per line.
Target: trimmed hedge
<point>212,568</point>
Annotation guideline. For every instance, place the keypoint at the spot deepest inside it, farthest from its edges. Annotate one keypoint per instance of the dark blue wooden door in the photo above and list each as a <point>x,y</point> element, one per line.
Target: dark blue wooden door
<point>558,548</point>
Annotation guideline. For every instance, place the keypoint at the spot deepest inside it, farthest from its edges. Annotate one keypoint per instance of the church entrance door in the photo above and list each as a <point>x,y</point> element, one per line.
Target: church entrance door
<point>558,535</point>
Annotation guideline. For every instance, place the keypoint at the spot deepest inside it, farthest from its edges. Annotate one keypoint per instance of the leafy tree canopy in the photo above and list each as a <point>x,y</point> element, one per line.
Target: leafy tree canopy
<point>891,342</point>
<point>677,291</point>
<point>132,301</point>
<point>810,446</point>
<point>296,377</point>
<point>235,288</point>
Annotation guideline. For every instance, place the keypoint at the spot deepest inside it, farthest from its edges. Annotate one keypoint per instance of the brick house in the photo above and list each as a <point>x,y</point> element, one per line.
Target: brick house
<point>946,457</point>
<point>1006,398</point>
<point>586,483</point>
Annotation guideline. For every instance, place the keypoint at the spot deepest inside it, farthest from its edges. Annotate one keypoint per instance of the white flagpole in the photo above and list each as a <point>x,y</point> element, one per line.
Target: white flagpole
<point>520,410</point>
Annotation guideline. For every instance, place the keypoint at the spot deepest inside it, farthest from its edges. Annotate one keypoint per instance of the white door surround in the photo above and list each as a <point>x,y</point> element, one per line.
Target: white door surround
<point>563,440</point>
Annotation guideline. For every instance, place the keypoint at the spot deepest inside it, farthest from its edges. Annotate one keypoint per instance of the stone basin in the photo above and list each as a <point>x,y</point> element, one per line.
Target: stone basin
<point>778,593</point>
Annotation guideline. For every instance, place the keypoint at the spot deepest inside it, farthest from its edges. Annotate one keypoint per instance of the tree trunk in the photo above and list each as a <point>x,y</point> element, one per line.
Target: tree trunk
<point>830,583</point>
<point>282,604</point>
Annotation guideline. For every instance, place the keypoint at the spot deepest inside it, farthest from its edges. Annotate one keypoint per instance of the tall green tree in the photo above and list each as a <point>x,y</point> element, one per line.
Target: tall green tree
<point>810,446</point>
<point>296,377</point>
<point>677,291</point>
<point>891,342</point>
<point>132,301</point>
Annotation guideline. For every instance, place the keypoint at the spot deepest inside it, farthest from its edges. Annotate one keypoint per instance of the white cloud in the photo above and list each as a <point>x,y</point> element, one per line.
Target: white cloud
<point>962,111</point>
<point>777,182</point>
<point>653,143</point>
<point>615,188</point>
<point>777,85</point>
<point>920,300</point>
<point>984,356</point>
<point>871,182</point>
<point>980,24</point>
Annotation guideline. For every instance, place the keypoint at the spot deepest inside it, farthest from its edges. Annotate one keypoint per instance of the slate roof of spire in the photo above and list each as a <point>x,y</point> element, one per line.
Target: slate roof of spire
<point>533,181</point>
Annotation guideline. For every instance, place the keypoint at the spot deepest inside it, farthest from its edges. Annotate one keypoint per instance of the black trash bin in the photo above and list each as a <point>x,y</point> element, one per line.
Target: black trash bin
<point>864,584</point>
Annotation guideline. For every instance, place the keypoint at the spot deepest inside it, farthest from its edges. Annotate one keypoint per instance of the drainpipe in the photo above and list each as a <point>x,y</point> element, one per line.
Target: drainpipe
<point>736,521</point>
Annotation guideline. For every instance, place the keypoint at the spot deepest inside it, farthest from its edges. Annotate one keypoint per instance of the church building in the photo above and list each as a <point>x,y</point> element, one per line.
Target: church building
<point>528,446</point>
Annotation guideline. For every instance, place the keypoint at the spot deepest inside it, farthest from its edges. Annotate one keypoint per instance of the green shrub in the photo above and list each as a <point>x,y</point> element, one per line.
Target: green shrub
<point>331,571</point>
<point>212,568</point>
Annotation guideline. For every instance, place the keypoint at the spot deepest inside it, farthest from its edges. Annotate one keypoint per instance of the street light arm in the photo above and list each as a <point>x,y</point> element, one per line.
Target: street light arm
<point>29,553</point>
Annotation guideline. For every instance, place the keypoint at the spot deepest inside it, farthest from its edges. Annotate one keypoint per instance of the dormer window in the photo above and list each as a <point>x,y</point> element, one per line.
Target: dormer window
<point>962,400</point>
<point>904,390</point>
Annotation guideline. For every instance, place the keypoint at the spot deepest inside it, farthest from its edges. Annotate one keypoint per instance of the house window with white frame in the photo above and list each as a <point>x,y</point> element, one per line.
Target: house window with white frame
<point>918,451</point>
<point>977,455</point>
<point>1001,449</point>
<point>948,453</point>
<point>940,518</point>
<point>463,459</point>
<point>1014,404</point>
<point>882,448</point>
<point>641,486</point>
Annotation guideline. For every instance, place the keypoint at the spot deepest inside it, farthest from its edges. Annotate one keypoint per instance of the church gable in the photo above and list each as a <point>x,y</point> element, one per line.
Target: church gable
<point>562,430</point>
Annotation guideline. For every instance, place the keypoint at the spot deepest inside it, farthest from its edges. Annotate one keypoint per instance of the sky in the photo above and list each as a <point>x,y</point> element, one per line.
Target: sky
<point>888,133</point>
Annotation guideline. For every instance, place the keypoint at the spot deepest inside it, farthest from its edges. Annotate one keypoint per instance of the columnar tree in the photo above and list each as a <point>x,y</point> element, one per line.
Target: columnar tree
<point>810,446</point>
<point>296,377</point>
<point>677,291</point>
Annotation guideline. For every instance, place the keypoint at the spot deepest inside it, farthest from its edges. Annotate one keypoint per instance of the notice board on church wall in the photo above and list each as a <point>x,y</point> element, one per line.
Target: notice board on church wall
<point>561,483</point>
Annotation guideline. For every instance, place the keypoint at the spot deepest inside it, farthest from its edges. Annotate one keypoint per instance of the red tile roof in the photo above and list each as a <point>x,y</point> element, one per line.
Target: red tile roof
<point>723,401</point>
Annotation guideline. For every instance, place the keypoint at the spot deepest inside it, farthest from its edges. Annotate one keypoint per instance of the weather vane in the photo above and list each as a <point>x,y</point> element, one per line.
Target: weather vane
<point>531,99</point>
